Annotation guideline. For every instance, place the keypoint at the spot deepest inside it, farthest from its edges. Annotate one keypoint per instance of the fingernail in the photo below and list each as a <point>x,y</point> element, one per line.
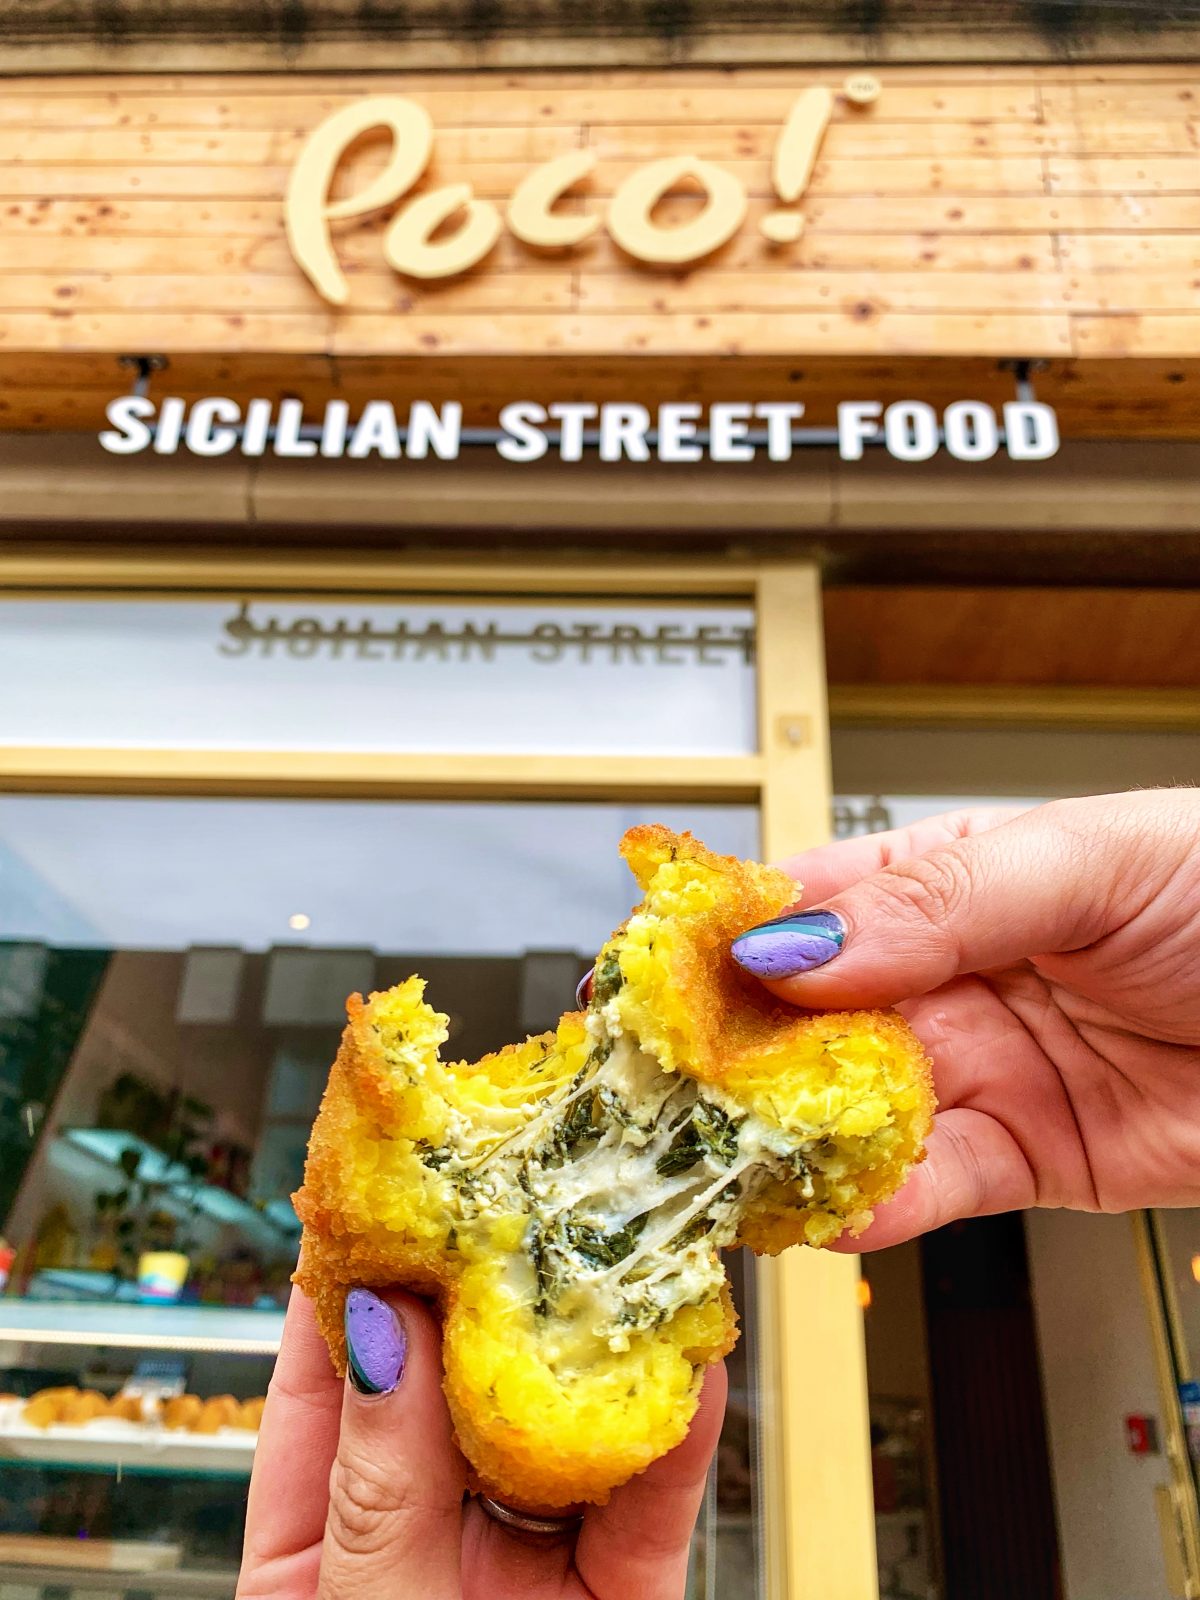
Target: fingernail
<point>375,1343</point>
<point>583,989</point>
<point>796,942</point>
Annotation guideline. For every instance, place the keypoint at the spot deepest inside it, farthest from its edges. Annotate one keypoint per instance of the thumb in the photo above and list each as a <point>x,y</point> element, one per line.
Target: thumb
<point>396,1489</point>
<point>1038,884</point>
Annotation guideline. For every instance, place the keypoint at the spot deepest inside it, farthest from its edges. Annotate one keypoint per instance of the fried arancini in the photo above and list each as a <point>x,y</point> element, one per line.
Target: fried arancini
<point>222,1411</point>
<point>249,1417</point>
<point>127,1407</point>
<point>566,1199</point>
<point>181,1411</point>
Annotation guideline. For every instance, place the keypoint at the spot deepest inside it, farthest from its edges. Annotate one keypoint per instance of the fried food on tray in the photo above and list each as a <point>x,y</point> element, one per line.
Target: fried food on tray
<point>75,1407</point>
<point>219,1412</point>
<point>84,1408</point>
<point>567,1199</point>
<point>249,1416</point>
<point>42,1411</point>
<point>181,1411</point>
<point>126,1407</point>
<point>67,1407</point>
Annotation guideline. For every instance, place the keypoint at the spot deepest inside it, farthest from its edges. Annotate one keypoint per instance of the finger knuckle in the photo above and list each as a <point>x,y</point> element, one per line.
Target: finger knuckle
<point>932,887</point>
<point>965,1195</point>
<point>366,1503</point>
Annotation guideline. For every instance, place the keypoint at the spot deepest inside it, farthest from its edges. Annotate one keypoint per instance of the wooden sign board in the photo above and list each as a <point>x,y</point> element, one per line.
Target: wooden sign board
<point>969,213</point>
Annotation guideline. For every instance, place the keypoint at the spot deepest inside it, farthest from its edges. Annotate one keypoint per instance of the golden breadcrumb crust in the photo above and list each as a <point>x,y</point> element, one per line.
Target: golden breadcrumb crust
<point>689,1004</point>
<point>542,1427</point>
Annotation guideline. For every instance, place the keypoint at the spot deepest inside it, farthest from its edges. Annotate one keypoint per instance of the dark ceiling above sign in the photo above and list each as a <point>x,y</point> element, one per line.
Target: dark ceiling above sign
<point>145,35</point>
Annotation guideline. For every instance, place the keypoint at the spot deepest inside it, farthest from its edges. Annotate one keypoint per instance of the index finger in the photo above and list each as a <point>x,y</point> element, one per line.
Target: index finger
<point>297,1442</point>
<point>829,868</point>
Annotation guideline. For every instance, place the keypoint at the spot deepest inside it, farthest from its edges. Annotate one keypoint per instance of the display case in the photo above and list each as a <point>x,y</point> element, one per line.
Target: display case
<point>127,1435</point>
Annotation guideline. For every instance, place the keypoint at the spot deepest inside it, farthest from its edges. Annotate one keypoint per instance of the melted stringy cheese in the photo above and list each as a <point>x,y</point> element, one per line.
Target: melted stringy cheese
<point>628,1207</point>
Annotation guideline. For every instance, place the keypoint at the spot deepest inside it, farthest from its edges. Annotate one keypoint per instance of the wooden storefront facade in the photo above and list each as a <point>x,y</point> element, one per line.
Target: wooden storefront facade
<point>964,217</point>
<point>963,228</point>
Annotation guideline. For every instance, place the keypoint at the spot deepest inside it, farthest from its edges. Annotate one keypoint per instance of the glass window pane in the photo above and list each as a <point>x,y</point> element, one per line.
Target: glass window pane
<point>554,676</point>
<point>172,983</point>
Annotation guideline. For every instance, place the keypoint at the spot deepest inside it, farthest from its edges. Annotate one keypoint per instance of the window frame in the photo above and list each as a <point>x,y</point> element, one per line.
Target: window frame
<point>816,1528</point>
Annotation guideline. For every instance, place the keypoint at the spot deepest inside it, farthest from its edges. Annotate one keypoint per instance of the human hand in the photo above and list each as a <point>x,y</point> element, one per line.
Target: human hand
<point>362,1494</point>
<point>1049,960</point>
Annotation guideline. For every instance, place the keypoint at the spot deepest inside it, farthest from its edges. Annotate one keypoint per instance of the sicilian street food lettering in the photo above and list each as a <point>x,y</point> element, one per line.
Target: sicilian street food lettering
<point>433,639</point>
<point>619,430</point>
<point>449,230</point>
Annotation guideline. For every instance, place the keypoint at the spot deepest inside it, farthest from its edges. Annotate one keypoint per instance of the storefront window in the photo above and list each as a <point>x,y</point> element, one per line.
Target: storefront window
<point>173,974</point>
<point>554,676</point>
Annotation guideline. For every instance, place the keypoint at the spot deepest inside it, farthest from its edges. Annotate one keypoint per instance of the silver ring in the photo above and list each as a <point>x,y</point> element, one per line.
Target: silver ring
<point>522,1522</point>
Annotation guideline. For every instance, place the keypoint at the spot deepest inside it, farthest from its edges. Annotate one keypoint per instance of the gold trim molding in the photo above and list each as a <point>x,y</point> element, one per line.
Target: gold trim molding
<point>993,705</point>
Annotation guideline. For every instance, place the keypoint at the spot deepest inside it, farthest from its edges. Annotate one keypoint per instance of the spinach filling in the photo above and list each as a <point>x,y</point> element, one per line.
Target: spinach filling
<point>639,1136</point>
<point>631,1181</point>
<point>710,1132</point>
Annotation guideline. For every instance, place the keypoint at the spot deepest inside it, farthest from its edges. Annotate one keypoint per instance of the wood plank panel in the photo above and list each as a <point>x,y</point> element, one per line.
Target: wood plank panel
<point>488,102</point>
<point>967,213</point>
<point>1120,638</point>
<point>496,180</point>
<point>1137,334</point>
<point>748,333</point>
<point>748,139</point>
<point>853,293</point>
<point>377,291</point>
<point>947,215</point>
<point>360,251</point>
<point>603,376</point>
<point>1132,293</point>
<point>439,37</point>
<point>1132,99</point>
<point>1117,252</point>
<point>70,410</point>
<point>857,294</point>
<point>1123,174</point>
<point>864,293</point>
<point>26,139</point>
<point>751,138</point>
<point>872,141</point>
<point>1010,214</point>
<point>251,147</point>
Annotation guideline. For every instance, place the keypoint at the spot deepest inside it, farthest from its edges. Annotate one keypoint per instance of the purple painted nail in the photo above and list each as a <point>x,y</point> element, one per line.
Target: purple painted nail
<point>583,989</point>
<point>796,942</point>
<point>375,1343</point>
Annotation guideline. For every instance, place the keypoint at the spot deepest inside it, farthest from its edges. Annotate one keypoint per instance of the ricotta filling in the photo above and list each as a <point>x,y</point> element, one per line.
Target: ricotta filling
<point>633,1180</point>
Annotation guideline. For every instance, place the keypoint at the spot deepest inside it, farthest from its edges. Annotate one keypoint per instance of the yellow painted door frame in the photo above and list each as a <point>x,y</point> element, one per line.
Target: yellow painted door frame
<point>1176,1500</point>
<point>818,1518</point>
<point>821,1541</point>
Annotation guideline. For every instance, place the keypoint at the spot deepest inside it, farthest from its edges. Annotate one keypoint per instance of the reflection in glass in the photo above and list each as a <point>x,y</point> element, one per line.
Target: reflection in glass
<point>419,676</point>
<point>173,974</point>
